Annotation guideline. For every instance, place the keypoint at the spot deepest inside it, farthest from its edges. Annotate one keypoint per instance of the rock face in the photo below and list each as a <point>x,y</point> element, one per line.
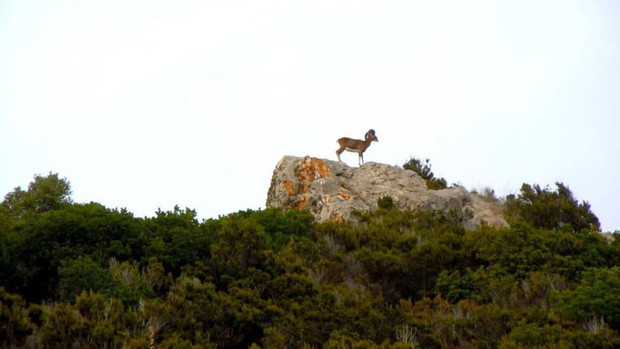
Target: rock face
<point>332,190</point>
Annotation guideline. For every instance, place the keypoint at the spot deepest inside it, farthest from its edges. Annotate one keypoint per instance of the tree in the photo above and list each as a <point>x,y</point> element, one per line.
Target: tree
<point>15,323</point>
<point>128,284</point>
<point>597,296</point>
<point>82,274</point>
<point>43,194</point>
<point>92,322</point>
<point>241,247</point>
<point>176,238</point>
<point>34,250</point>
<point>546,209</point>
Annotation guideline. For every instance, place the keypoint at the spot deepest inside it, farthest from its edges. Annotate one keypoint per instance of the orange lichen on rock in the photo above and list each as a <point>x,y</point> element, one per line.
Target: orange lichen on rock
<point>301,203</point>
<point>344,195</point>
<point>289,187</point>
<point>309,170</point>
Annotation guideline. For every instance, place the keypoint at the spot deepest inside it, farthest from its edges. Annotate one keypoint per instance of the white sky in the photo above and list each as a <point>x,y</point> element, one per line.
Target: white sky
<point>148,104</point>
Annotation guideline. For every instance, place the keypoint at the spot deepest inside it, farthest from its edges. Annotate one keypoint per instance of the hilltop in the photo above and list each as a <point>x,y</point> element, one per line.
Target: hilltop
<point>324,269</point>
<point>331,190</point>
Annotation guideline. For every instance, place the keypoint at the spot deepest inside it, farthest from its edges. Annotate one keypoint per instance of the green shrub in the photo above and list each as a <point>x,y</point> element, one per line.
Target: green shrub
<point>424,170</point>
<point>82,274</point>
<point>597,296</point>
<point>385,202</point>
<point>547,209</point>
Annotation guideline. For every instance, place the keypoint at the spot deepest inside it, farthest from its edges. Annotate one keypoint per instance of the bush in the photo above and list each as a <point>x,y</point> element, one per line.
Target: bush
<point>597,296</point>
<point>82,274</point>
<point>546,209</point>
<point>424,170</point>
<point>385,203</point>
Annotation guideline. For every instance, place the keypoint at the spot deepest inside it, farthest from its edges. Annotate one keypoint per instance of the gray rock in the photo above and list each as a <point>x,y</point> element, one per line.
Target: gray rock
<point>331,190</point>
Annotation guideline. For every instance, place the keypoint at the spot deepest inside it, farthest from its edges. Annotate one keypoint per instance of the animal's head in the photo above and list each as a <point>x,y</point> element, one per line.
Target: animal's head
<point>371,135</point>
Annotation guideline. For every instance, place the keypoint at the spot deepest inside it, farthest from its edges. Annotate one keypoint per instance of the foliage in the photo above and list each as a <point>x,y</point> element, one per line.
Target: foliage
<point>546,209</point>
<point>386,203</point>
<point>596,297</point>
<point>82,275</point>
<point>424,170</point>
<point>38,244</point>
<point>15,320</point>
<point>175,238</point>
<point>43,194</point>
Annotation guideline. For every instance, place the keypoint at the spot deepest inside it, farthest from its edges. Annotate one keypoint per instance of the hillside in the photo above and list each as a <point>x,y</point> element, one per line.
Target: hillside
<point>76,275</point>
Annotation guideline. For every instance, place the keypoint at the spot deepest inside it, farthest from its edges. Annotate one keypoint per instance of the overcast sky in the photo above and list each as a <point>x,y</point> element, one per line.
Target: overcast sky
<point>150,104</point>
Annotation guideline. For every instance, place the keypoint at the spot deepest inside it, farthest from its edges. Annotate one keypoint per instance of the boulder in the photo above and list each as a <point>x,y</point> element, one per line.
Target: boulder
<point>331,190</point>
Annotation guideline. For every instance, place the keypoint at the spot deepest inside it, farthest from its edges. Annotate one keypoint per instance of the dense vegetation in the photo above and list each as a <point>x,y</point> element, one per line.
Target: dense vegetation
<point>86,276</point>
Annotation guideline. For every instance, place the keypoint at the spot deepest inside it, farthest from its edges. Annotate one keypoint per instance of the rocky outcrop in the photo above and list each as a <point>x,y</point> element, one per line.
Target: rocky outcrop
<point>333,190</point>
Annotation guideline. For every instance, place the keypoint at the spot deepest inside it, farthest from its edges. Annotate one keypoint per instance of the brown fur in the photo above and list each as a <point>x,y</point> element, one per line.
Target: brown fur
<point>356,145</point>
